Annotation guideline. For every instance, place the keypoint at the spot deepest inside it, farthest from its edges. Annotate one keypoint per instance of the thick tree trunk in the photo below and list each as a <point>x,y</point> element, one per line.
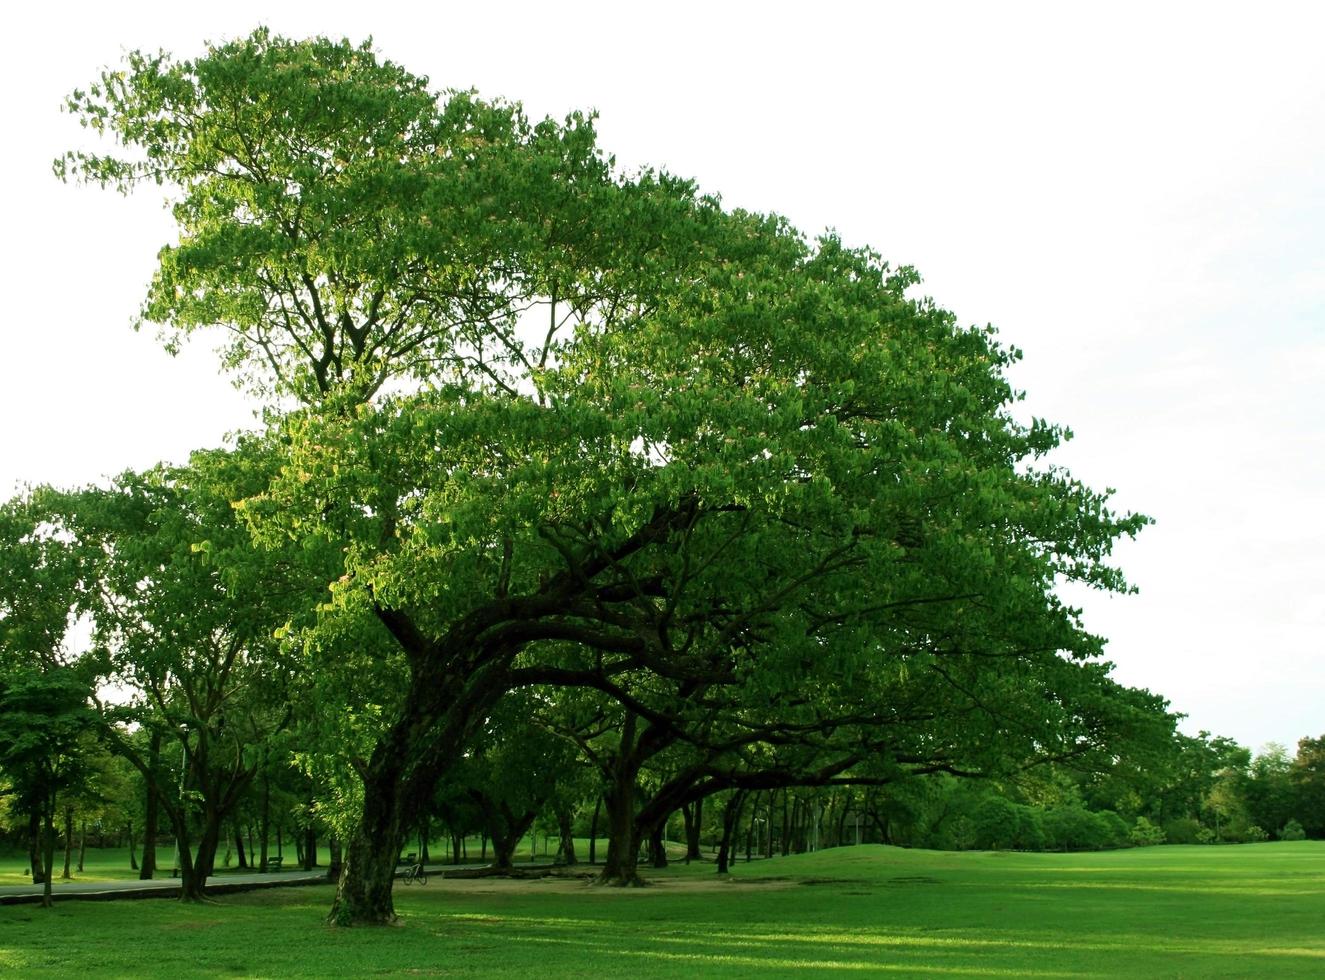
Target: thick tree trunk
<point>147,869</point>
<point>694,823</point>
<point>209,839</point>
<point>566,829</point>
<point>658,845</point>
<point>363,892</point>
<point>622,865</point>
<point>36,853</point>
<point>503,850</point>
<point>310,849</point>
<point>457,842</point>
<point>192,885</point>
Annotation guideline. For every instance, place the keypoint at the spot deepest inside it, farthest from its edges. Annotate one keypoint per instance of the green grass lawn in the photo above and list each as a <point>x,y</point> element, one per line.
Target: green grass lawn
<point>1245,911</point>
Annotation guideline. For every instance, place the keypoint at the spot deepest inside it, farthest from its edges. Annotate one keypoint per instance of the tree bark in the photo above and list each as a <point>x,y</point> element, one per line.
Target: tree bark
<point>363,892</point>
<point>82,843</point>
<point>133,848</point>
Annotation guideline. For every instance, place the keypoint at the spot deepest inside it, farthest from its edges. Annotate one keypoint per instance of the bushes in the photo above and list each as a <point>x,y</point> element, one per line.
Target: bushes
<point>1146,834</point>
<point>1292,831</point>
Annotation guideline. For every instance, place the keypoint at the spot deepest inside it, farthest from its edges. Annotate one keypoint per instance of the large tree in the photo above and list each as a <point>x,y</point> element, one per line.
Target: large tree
<point>689,441</point>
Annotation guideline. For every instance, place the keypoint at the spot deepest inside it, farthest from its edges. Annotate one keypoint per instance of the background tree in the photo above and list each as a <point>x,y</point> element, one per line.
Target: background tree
<point>1308,780</point>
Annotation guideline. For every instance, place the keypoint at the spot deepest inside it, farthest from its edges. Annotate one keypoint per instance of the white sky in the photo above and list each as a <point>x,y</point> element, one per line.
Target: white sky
<point>1134,195</point>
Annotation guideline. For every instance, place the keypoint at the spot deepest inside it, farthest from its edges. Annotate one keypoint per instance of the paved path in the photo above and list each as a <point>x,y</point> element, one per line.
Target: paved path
<point>169,887</point>
<point>157,887</point>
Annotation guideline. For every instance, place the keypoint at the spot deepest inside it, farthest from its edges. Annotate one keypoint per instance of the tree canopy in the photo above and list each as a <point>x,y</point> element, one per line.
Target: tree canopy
<point>566,426</point>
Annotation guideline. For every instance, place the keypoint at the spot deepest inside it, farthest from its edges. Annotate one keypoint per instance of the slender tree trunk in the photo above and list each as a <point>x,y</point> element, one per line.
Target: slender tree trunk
<point>593,830</point>
<point>751,837</point>
<point>730,816</point>
<point>310,849</point>
<point>151,813</point>
<point>425,832</point>
<point>264,815</point>
<point>48,851</point>
<point>239,845</point>
<point>483,846</point>
<point>68,842</point>
<point>334,865</point>
<point>785,840</point>
<point>82,843</point>
<point>133,848</point>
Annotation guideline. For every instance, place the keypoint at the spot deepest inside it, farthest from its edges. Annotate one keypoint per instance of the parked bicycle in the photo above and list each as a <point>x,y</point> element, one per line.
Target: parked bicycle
<point>416,872</point>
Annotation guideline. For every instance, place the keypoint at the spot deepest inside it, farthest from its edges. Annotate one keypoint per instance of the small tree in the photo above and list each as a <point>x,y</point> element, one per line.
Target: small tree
<point>1146,834</point>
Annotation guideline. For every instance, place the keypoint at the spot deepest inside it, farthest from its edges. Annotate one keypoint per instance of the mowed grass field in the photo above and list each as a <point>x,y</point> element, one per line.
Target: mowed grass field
<point>1238,911</point>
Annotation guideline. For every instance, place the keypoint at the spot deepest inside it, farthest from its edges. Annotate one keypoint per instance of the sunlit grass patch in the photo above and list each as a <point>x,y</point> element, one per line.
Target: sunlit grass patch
<point>1252,910</point>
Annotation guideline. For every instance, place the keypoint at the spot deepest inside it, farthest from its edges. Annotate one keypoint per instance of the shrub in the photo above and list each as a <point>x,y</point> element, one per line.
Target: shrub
<point>1146,834</point>
<point>1292,831</point>
<point>1205,836</point>
<point>1255,835</point>
<point>1182,830</point>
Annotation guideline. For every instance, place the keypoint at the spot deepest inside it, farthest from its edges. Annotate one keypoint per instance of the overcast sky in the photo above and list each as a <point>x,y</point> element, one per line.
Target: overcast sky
<point>1133,194</point>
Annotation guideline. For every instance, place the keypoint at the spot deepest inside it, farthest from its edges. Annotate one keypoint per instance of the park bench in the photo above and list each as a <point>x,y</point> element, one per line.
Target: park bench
<point>274,864</point>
